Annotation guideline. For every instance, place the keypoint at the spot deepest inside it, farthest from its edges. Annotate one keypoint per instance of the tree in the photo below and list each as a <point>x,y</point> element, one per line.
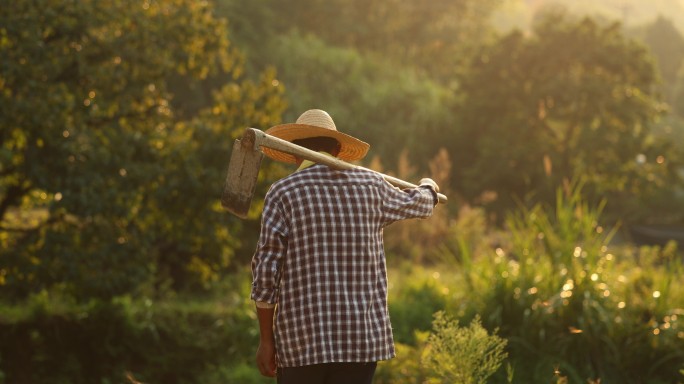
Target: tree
<point>574,100</point>
<point>667,46</point>
<point>103,190</point>
<point>389,106</point>
<point>432,36</point>
<point>678,94</point>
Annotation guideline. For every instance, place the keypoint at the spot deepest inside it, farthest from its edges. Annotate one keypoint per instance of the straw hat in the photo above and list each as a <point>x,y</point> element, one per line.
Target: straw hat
<point>316,123</point>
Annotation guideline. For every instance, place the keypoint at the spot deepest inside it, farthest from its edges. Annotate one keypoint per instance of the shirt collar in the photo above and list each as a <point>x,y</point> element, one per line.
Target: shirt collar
<point>308,163</point>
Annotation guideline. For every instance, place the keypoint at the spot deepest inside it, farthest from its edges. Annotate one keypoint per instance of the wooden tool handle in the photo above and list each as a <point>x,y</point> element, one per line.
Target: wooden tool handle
<point>265,140</point>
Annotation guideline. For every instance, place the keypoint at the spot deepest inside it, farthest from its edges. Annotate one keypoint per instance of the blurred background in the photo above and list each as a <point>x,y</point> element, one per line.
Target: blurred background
<point>556,128</point>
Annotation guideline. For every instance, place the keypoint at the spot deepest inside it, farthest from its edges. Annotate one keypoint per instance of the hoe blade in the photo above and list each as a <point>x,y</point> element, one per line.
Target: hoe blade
<point>241,180</point>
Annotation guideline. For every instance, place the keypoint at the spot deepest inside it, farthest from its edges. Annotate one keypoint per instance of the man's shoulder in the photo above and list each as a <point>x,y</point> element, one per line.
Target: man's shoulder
<point>320,173</point>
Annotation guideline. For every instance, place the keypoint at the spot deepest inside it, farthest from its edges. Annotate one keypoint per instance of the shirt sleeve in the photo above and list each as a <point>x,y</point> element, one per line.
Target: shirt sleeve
<point>400,204</point>
<point>271,249</point>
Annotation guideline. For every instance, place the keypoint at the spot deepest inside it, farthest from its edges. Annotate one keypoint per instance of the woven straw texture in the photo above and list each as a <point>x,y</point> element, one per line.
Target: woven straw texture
<point>316,123</point>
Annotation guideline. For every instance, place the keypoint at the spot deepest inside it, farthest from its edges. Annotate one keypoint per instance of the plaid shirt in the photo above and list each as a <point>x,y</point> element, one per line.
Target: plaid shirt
<point>320,257</point>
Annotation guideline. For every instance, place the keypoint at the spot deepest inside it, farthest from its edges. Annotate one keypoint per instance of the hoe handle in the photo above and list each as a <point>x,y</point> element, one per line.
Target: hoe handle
<point>262,139</point>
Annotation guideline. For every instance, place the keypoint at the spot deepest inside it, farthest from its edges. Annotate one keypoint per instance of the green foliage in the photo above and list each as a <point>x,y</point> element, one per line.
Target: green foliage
<point>462,355</point>
<point>407,366</point>
<point>575,98</point>
<point>678,95</point>
<point>434,37</point>
<point>116,119</point>
<point>50,339</point>
<point>667,45</point>
<point>103,189</point>
<point>557,292</point>
<point>564,300</point>
<point>368,97</point>
<point>243,373</point>
<point>413,298</point>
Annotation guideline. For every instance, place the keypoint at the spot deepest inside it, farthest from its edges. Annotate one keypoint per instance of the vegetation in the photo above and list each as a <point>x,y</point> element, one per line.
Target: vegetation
<point>462,355</point>
<point>95,159</point>
<point>563,109</point>
<point>118,264</point>
<point>561,294</point>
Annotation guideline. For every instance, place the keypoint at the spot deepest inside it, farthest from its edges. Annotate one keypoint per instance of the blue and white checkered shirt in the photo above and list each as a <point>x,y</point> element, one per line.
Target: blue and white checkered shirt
<point>320,258</point>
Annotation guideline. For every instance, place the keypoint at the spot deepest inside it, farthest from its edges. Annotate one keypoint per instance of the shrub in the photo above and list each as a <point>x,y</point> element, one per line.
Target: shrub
<point>569,300</point>
<point>415,295</point>
<point>406,367</point>
<point>462,355</point>
<point>51,339</point>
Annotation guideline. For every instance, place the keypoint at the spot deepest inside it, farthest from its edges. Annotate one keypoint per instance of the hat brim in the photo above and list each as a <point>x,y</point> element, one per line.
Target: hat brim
<point>351,148</point>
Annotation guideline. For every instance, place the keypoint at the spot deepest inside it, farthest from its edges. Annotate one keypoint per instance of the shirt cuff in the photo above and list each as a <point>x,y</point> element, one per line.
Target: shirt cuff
<point>263,304</point>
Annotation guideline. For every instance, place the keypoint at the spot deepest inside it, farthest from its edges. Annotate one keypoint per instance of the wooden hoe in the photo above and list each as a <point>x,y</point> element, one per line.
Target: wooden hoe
<point>245,160</point>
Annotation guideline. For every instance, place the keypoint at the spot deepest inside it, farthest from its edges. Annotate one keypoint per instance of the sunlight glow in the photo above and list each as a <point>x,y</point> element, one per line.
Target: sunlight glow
<point>569,285</point>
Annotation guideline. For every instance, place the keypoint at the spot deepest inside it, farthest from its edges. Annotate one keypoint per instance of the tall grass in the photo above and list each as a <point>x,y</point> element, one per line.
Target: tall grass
<point>574,304</point>
<point>570,303</point>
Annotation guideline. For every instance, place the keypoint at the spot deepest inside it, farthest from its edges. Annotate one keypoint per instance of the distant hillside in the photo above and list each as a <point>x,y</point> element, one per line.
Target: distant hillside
<point>633,13</point>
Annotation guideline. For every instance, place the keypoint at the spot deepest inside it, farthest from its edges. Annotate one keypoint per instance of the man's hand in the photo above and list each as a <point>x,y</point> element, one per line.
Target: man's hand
<point>265,358</point>
<point>430,182</point>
